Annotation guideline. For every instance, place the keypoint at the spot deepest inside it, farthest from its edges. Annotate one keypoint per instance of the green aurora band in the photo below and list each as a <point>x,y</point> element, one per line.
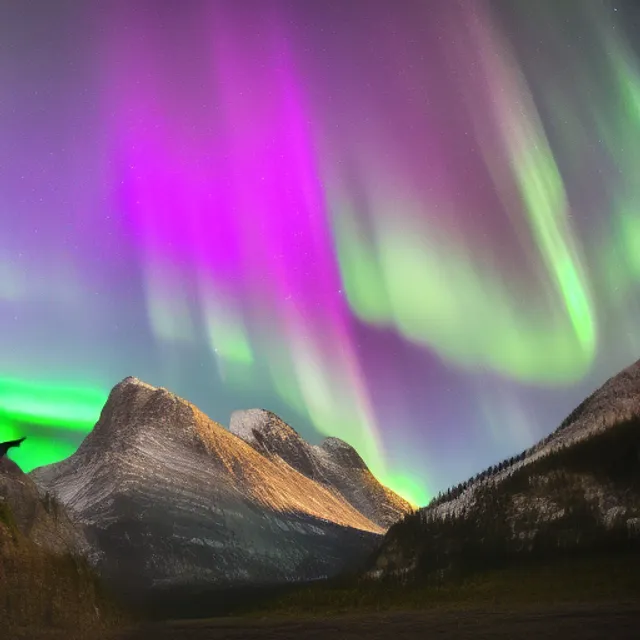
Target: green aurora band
<point>35,409</point>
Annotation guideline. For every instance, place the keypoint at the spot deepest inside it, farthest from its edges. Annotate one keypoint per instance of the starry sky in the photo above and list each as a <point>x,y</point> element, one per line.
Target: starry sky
<point>414,225</point>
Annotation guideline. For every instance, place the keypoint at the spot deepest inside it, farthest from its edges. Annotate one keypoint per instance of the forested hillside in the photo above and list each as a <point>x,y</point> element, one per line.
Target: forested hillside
<point>579,498</point>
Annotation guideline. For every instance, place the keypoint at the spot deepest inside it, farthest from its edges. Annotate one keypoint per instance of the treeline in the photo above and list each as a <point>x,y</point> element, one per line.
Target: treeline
<point>506,465</point>
<point>542,510</point>
<point>455,492</point>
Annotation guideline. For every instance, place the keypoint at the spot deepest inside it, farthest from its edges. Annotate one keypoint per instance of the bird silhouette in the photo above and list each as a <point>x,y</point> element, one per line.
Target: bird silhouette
<point>5,446</point>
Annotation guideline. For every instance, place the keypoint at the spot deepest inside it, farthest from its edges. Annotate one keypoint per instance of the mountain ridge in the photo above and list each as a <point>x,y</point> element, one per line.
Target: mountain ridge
<point>169,495</point>
<point>577,490</point>
<point>594,414</point>
<point>333,463</point>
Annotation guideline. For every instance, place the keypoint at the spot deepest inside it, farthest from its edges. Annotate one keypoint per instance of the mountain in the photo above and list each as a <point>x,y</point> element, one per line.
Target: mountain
<point>171,498</point>
<point>44,579</point>
<point>37,517</point>
<point>576,491</point>
<point>334,464</point>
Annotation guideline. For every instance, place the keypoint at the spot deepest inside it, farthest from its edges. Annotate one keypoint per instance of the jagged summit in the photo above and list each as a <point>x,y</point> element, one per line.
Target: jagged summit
<point>273,437</point>
<point>256,425</point>
<point>334,463</point>
<point>244,421</point>
<point>334,443</point>
<point>136,381</point>
<point>342,453</point>
<point>131,384</point>
<point>136,411</point>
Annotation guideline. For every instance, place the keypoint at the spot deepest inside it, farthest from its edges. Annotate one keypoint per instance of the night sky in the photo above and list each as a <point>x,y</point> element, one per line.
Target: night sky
<point>411,224</point>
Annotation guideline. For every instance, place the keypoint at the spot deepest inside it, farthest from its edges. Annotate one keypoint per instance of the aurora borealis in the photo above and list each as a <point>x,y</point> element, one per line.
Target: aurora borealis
<point>414,225</point>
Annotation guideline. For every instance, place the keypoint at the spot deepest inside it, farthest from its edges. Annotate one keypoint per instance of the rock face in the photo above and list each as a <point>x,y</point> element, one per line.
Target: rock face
<point>334,464</point>
<point>171,498</point>
<point>578,489</point>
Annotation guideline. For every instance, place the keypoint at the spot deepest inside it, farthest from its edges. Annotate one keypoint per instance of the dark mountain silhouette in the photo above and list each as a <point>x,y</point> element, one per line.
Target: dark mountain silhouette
<point>5,446</point>
<point>170,498</point>
<point>575,492</point>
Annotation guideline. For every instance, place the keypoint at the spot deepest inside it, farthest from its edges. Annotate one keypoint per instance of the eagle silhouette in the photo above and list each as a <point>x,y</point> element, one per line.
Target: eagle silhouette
<point>5,446</point>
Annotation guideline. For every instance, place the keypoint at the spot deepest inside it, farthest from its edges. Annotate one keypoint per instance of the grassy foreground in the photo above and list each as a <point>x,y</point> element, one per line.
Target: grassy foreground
<point>586,582</point>
<point>612,578</point>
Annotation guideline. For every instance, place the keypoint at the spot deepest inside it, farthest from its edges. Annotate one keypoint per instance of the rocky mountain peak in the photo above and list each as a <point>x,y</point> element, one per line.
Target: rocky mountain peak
<point>272,436</point>
<point>135,410</point>
<point>342,453</point>
<point>132,380</point>
<point>246,422</point>
<point>333,464</point>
